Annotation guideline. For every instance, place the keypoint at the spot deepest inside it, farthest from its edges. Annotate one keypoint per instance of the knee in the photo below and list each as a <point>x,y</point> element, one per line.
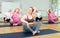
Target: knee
<point>39,22</point>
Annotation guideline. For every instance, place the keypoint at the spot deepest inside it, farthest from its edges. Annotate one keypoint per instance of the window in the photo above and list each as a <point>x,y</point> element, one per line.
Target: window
<point>58,7</point>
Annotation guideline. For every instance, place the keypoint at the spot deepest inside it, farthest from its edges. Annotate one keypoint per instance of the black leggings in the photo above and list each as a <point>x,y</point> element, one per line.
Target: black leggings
<point>38,19</point>
<point>7,20</point>
<point>50,22</point>
<point>4,19</point>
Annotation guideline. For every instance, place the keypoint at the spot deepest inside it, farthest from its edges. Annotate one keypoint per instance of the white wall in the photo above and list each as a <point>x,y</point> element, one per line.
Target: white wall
<point>42,5</point>
<point>5,6</point>
<point>9,5</point>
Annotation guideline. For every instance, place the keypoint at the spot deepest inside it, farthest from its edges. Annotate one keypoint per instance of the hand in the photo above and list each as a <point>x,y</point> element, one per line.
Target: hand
<point>11,20</point>
<point>54,22</point>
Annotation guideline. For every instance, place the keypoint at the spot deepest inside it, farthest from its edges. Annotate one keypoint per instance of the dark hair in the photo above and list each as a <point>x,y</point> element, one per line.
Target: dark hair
<point>32,9</point>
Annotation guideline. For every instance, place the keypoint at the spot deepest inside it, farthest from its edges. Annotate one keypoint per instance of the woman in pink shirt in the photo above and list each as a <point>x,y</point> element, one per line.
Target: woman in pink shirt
<point>51,17</point>
<point>15,17</point>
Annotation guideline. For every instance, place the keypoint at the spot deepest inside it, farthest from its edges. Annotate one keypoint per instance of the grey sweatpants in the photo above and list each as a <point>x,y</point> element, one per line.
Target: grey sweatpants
<point>33,27</point>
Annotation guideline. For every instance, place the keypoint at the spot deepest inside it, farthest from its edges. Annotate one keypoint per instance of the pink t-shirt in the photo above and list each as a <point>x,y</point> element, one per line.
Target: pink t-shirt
<point>15,17</point>
<point>51,16</point>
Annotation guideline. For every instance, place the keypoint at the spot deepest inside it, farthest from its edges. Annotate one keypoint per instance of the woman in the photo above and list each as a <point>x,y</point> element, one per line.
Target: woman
<point>15,18</point>
<point>51,17</point>
<point>8,16</point>
<point>28,22</point>
<point>38,16</point>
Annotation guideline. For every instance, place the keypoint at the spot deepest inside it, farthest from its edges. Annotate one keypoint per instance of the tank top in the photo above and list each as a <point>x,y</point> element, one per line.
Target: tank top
<point>29,20</point>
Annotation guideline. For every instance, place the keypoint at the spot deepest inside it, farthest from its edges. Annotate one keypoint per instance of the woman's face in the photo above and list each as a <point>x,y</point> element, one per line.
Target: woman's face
<point>17,10</point>
<point>30,10</point>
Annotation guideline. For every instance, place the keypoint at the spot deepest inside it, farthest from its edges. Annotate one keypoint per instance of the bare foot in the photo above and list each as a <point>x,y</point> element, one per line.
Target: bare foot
<point>34,32</point>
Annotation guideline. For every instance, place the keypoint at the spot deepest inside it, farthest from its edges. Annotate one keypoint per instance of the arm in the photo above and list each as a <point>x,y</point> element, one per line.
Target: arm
<point>23,20</point>
<point>52,20</point>
<point>35,10</point>
<point>11,18</point>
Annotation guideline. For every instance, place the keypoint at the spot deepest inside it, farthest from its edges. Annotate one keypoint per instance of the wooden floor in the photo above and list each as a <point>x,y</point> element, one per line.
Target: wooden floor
<point>5,30</point>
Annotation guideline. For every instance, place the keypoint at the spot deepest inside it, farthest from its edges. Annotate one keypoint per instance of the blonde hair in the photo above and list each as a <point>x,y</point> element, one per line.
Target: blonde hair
<point>16,9</point>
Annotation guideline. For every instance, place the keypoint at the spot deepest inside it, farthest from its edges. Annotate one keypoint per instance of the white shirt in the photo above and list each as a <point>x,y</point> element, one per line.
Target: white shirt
<point>38,15</point>
<point>7,15</point>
